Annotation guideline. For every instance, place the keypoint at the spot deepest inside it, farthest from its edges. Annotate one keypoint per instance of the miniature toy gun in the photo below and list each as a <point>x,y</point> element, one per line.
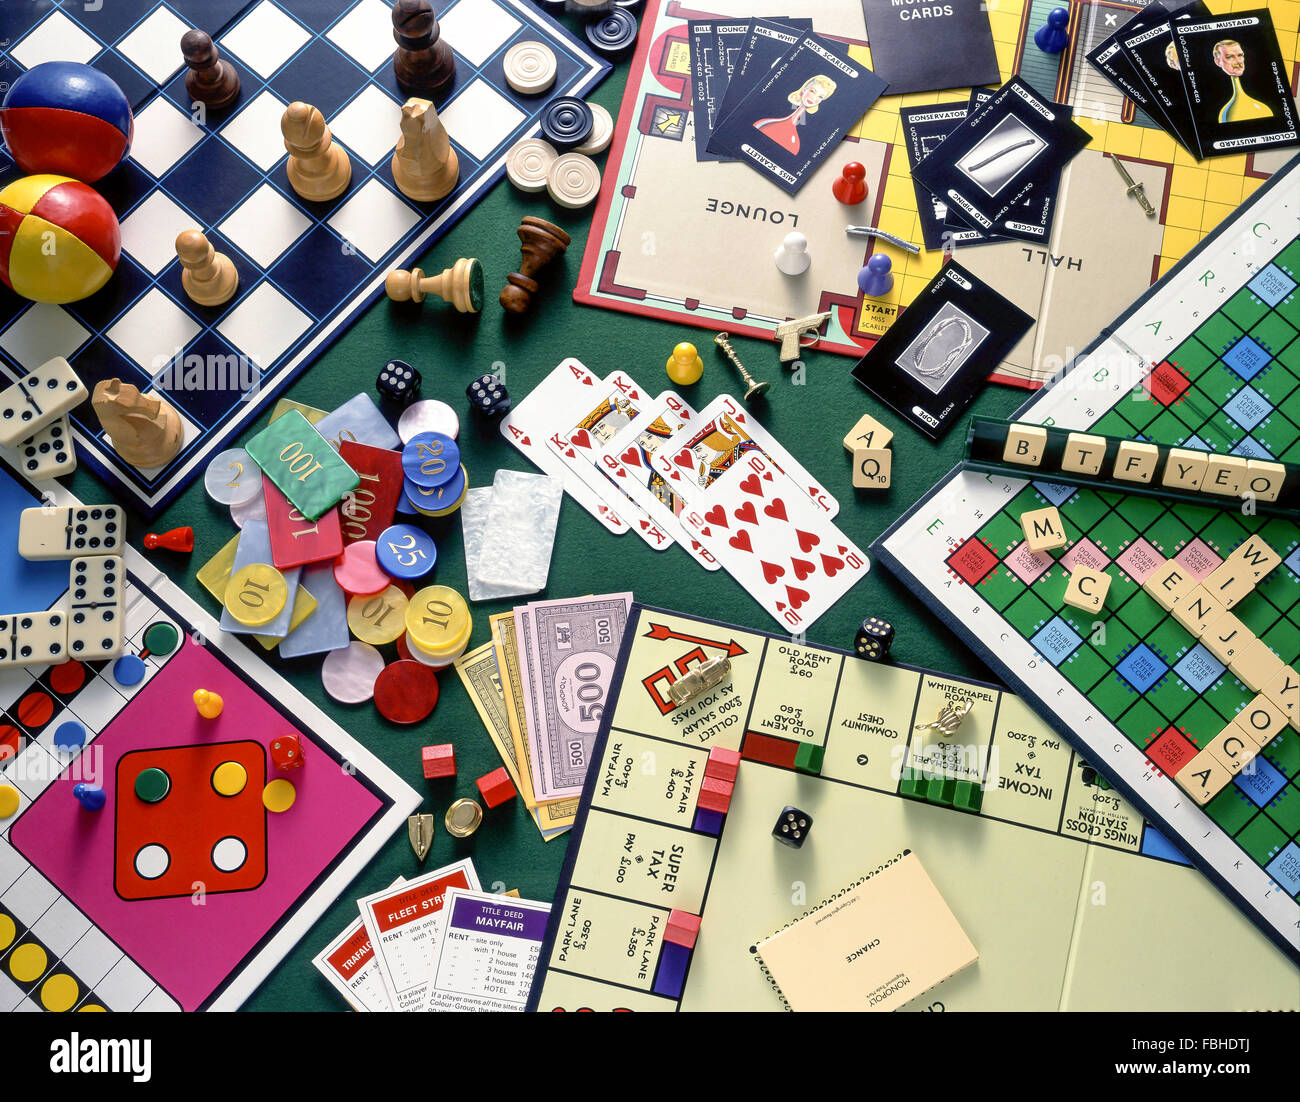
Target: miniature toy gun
<point>791,333</point>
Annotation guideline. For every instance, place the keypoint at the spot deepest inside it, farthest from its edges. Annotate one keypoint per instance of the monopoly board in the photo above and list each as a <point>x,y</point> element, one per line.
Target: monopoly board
<point>1209,358</point>
<point>189,903</point>
<point>306,269</point>
<point>1050,877</point>
<point>692,242</point>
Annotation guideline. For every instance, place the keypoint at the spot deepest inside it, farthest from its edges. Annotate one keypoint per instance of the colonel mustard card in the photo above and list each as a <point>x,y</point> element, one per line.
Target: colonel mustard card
<point>799,112</point>
<point>877,946</point>
<point>1236,83</point>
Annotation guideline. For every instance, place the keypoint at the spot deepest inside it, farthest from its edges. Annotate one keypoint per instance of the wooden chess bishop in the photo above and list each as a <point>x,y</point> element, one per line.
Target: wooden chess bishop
<point>540,243</point>
<point>461,285</point>
<point>143,429</point>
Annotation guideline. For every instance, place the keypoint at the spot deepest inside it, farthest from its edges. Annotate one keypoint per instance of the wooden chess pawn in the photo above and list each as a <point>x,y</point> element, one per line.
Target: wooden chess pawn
<point>210,81</point>
<point>425,166</point>
<point>423,64</point>
<point>143,429</point>
<point>318,169</point>
<point>208,277</point>
<point>540,243</point>
<point>461,285</point>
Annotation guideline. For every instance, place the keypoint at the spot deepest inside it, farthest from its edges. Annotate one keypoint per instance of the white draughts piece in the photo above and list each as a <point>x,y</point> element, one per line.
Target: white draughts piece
<point>96,593</point>
<point>33,638</point>
<point>573,180</point>
<point>47,453</point>
<point>64,533</point>
<point>37,399</point>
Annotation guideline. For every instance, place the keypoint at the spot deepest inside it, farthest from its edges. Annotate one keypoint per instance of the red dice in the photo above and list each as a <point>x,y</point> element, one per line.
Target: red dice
<point>286,752</point>
<point>496,787</point>
<point>438,761</point>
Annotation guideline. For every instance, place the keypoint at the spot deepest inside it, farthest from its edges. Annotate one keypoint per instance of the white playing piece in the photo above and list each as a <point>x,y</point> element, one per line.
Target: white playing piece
<point>349,674</point>
<point>33,638</point>
<point>530,67</point>
<point>792,257</point>
<point>528,163</point>
<point>573,180</point>
<point>602,132</point>
<point>97,606</point>
<point>64,533</point>
<point>232,478</point>
<point>509,533</point>
<point>428,415</point>
<point>38,398</point>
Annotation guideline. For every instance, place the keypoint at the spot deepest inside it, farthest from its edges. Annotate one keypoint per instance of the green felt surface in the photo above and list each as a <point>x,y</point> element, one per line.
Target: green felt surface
<point>450,349</point>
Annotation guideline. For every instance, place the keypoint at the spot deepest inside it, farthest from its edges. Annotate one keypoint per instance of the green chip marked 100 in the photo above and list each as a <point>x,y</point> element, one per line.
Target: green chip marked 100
<point>301,463</point>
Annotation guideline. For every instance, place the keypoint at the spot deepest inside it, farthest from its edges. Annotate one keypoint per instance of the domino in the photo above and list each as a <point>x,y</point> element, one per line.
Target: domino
<point>47,453</point>
<point>37,399</point>
<point>33,638</point>
<point>64,533</point>
<point>96,606</point>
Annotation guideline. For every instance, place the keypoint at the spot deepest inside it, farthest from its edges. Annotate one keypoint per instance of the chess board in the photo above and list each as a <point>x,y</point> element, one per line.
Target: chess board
<point>1210,358</point>
<point>88,919</point>
<point>306,269</point>
<point>692,242</point>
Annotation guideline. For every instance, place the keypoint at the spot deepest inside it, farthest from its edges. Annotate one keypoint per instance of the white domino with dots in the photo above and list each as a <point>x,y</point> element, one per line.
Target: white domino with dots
<point>33,638</point>
<point>37,399</point>
<point>96,610</point>
<point>47,453</point>
<point>64,533</point>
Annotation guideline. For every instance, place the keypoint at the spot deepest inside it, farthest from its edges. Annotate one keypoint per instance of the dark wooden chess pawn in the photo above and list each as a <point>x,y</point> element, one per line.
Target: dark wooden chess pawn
<point>423,63</point>
<point>540,243</point>
<point>210,81</point>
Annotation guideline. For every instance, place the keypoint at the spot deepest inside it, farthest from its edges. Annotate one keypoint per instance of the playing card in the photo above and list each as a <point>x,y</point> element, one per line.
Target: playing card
<point>1109,59</point>
<point>693,459</point>
<point>529,424</point>
<point>745,59</point>
<point>626,459</point>
<point>775,542</point>
<point>1155,57</point>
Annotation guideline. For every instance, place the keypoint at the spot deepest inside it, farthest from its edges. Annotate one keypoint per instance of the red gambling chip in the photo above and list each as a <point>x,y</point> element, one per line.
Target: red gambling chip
<point>406,691</point>
<point>35,710</point>
<point>67,677</point>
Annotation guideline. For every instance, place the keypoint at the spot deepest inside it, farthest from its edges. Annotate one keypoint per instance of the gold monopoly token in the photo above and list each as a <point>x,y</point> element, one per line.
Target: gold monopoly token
<point>255,594</point>
<point>463,818</point>
<point>437,618</point>
<point>379,618</point>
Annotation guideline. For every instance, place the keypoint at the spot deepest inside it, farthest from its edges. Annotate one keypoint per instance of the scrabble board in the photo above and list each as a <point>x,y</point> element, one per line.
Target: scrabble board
<point>306,270</point>
<point>102,910</point>
<point>693,242</point>
<point>1210,358</point>
<point>1084,869</point>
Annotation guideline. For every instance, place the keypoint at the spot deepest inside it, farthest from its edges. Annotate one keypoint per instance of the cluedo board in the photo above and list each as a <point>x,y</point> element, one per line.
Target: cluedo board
<point>1209,358</point>
<point>1051,877</point>
<point>188,903</point>
<point>692,242</point>
<point>306,269</point>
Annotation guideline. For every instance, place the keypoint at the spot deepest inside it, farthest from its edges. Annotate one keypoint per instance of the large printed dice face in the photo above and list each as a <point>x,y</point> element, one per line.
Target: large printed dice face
<point>873,639</point>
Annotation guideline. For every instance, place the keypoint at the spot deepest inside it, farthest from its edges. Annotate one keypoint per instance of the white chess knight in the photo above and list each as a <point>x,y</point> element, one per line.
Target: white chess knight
<point>425,166</point>
<point>792,257</point>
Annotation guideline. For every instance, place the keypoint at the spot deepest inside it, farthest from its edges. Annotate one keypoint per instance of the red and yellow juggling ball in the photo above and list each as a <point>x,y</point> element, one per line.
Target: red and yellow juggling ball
<point>59,238</point>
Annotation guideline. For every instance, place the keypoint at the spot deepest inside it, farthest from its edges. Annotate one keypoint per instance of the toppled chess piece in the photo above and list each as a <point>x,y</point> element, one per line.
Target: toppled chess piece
<point>143,429</point>
<point>423,63</point>
<point>540,243</point>
<point>210,81</point>
<point>461,285</point>
<point>425,166</point>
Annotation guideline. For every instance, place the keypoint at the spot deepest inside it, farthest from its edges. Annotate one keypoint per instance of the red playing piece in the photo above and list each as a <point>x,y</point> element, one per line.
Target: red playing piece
<point>682,929</point>
<point>850,189</point>
<point>438,761</point>
<point>406,691</point>
<point>715,795</point>
<point>723,764</point>
<point>496,787</point>
<point>286,752</point>
<point>178,539</point>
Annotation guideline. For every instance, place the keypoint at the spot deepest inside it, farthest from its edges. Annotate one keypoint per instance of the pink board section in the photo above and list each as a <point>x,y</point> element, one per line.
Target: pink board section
<point>189,949</point>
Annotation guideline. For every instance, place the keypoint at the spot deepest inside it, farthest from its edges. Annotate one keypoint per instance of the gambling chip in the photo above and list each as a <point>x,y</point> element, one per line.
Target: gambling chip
<point>379,619</point>
<point>406,552</point>
<point>566,122</point>
<point>256,594</point>
<point>406,692</point>
<point>527,163</point>
<point>612,32</point>
<point>232,478</point>
<point>252,509</point>
<point>430,459</point>
<point>358,571</point>
<point>602,132</point>
<point>349,673</point>
<point>440,501</point>
<point>438,619</point>
<point>573,180</point>
<point>530,67</point>
<point>428,415</point>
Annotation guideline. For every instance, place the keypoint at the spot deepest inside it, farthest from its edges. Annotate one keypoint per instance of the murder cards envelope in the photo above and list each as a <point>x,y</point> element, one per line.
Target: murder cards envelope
<point>876,946</point>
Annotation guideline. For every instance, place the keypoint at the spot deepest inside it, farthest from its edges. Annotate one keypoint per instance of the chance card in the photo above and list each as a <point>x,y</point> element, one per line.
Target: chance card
<point>937,356</point>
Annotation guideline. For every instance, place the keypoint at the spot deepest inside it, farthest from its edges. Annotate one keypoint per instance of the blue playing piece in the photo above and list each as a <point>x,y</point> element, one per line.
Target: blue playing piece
<point>1052,37</point>
<point>876,278</point>
<point>69,736</point>
<point>430,459</point>
<point>405,551</point>
<point>90,796</point>
<point>128,670</point>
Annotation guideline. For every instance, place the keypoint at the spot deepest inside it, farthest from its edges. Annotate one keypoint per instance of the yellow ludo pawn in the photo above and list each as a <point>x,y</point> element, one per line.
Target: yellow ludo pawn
<point>208,703</point>
<point>684,366</point>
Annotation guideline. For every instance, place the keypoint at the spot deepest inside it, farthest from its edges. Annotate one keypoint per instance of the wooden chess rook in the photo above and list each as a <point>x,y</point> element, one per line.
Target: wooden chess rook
<point>143,429</point>
<point>318,169</point>
<point>208,277</point>
<point>425,167</point>
<point>210,81</point>
<point>461,285</point>
<point>423,63</point>
<point>540,243</point>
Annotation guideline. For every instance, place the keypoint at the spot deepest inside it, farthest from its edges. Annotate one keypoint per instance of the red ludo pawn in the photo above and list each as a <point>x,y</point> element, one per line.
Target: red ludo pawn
<point>286,752</point>
<point>496,787</point>
<point>178,539</point>
<point>850,189</point>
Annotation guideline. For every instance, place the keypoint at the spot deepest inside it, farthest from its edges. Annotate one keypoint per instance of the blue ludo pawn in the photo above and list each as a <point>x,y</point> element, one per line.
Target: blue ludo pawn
<point>876,278</point>
<point>90,796</point>
<point>1052,37</point>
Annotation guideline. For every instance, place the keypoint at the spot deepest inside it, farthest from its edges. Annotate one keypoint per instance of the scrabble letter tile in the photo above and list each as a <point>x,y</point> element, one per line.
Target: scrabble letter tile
<point>872,468</point>
<point>1255,665</point>
<point>1264,479</point>
<point>1025,445</point>
<point>1261,721</point>
<point>1083,453</point>
<point>1225,637</point>
<point>1136,461</point>
<point>1229,582</point>
<point>867,433</point>
<point>1168,585</point>
<point>1203,777</point>
<point>1283,692</point>
<point>1257,557</point>
<point>1232,748</point>
<point>1087,589</point>
<point>1198,611</point>
<point>1185,469</point>
<point>1043,529</point>
<point>1224,474</point>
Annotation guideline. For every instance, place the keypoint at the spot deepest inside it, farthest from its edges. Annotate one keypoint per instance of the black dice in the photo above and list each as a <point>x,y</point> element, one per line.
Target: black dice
<point>874,638</point>
<point>792,827</point>
<point>399,382</point>
<point>488,395</point>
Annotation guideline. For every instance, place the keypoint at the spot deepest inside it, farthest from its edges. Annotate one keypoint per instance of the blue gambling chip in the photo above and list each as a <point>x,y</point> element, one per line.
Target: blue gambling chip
<point>433,500</point>
<point>404,506</point>
<point>567,121</point>
<point>405,551</point>
<point>611,33</point>
<point>430,459</point>
<point>69,736</point>
<point>128,670</point>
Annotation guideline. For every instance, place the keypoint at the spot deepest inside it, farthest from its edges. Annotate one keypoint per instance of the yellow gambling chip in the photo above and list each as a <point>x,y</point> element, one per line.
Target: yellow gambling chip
<point>229,778</point>
<point>438,619</point>
<point>279,796</point>
<point>256,594</point>
<point>378,619</point>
